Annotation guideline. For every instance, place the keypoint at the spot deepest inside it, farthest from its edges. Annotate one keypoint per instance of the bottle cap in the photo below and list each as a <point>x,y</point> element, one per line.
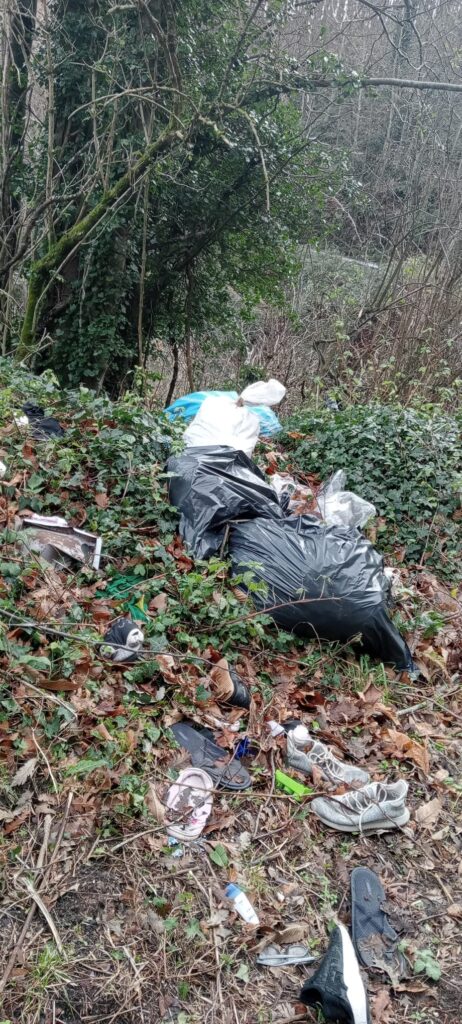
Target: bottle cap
<point>300,735</point>
<point>232,891</point>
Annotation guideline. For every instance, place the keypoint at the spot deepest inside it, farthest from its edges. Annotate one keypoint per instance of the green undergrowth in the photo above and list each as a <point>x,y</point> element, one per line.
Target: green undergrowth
<point>107,475</point>
<point>407,461</point>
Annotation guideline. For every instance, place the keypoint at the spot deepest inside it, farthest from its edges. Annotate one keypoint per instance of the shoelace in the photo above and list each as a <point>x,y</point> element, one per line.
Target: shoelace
<point>361,802</point>
<point>327,760</point>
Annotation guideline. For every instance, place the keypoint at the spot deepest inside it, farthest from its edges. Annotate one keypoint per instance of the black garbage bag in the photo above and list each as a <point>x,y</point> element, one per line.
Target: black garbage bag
<point>211,487</point>
<point>41,426</point>
<point>325,581</point>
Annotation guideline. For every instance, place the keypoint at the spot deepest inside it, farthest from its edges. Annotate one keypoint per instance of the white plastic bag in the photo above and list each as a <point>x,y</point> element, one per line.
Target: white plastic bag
<point>221,421</point>
<point>283,483</point>
<point>262,392</point>
<point>343,508</point>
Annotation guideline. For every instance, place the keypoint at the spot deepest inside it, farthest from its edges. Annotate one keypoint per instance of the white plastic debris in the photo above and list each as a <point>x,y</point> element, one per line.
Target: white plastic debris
<point>2,469</point>
<point>241,903</point>
<point>222,420</point>
<point>343,508</point>
<point>262,392</point>
<point>275,728</point>
<point>283,483</point>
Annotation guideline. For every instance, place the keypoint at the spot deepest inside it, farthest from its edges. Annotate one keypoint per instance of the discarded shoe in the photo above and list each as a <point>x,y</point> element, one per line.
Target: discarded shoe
<point>337,986</point>
<point>374,939</point>
<point>304,753</point>
<point>373,808</point>
<point>225,771</point>
<point>191,797</point>
<point>122,641</point>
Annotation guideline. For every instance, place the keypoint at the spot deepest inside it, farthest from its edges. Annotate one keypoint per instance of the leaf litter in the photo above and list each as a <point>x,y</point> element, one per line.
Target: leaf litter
<point>146,935</point>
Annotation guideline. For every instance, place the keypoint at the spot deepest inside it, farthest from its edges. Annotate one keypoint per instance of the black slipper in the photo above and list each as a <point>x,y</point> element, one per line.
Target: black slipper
<point>374,938</point>
<point>230,774</point>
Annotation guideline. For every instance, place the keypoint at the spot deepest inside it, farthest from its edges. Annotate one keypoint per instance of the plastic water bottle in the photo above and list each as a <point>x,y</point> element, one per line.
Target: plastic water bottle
<point>242,905</point>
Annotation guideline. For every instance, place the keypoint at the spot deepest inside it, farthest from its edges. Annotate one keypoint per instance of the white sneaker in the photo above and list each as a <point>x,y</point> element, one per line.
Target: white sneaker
<point>373,808</point>
<point>303,760</point>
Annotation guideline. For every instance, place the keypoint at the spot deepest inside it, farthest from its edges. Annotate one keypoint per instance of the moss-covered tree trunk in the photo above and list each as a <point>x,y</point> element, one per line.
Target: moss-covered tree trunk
<point>44,269</point>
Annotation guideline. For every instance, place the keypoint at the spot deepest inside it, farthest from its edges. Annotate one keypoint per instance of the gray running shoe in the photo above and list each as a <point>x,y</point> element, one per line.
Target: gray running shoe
<point>373,808</point>
<point>303,760</point>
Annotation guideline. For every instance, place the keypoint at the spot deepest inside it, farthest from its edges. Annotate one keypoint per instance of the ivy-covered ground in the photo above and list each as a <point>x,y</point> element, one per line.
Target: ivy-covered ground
<point>99,921</point>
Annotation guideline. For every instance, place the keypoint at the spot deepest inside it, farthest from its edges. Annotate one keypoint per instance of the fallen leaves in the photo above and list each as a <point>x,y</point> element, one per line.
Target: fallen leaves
<point>154,804</point>
<point>25,772</point>
<point>222,683</point>
<point>427,814</point>
<point>159,604</point>
<point>380,1005</point>
<point>399,744</point>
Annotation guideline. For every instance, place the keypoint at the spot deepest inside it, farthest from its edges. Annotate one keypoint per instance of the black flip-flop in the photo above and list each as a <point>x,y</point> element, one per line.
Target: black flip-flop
<point>225,772</point>
<point>375,940</point>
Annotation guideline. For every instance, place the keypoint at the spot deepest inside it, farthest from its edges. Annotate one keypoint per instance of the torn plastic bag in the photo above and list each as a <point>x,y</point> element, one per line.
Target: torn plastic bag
<point>223,422</point>
<point>339,507</point>
<point>323,581</point>
<point>258,397</point>
<point>41,426</point>
<point>264,392</point>
<point>212,486</point>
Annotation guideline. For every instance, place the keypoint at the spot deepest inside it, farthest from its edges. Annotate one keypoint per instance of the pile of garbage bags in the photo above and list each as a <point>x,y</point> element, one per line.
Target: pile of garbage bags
<point>321,581</point>
<point>214,486</point>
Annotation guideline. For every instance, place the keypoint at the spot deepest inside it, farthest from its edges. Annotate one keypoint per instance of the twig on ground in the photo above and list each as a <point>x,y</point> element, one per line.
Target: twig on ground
<point>45,912</point>
<point>40,860</point>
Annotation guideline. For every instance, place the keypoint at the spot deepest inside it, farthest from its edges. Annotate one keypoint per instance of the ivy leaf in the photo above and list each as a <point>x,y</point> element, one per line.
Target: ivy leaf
<point>40,664</point>
<point>425,963</point>
<point>219,856</point>
<point>243,973</point>
<point>85,767</point>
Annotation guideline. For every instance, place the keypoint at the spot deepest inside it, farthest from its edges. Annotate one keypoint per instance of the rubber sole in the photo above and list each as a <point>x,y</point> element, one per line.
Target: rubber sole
<point>365,829</point>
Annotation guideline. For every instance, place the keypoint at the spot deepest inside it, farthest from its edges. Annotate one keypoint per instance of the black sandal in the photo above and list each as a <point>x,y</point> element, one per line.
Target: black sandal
<point>225,772</point>
<point>374,938</point>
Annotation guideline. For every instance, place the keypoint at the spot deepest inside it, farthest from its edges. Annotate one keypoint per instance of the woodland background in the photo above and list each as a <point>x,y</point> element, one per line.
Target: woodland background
<point>201,194</point>
<point>215,190</point>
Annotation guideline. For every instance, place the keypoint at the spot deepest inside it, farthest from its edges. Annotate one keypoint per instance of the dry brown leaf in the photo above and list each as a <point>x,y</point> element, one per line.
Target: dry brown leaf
<point>167,667</point>
<point>153,804</point>
<point>18,821</point>
<point>59,685</point>
<point>401,745</point>
<point>223,686</point>
<point>428,813</point>
<point>380,1003</point>
<point>25,772</point>
<point>295,932</point>
<point>159,603</point>
<point>371,694</point>
<point>104,733</point>
<point>455,910</point>
<point>102,499</point>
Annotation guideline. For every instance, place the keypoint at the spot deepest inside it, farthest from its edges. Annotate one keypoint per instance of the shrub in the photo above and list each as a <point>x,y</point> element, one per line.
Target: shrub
<point>408,462</point>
